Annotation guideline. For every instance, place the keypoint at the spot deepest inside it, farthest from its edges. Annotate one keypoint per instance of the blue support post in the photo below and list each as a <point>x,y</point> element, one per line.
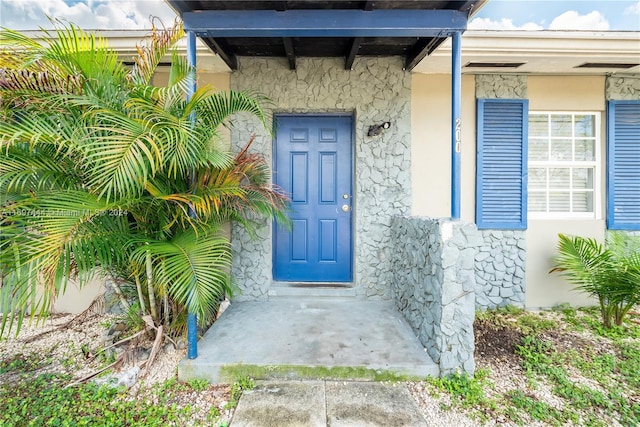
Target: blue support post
<point>456,125</point>
<point>192,318</point>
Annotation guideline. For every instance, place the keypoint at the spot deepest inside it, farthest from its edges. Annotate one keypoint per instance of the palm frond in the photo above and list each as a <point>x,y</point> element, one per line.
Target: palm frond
<point>23,170</point>
<point>42,81</point>
<point>152,50</point>
<point>78,52</point>
<point>193,266</point>
<point>583,262</point>
<point>213,109</point>
<point>121,154</point>
<point>179,72</point>
<point>53,237</point>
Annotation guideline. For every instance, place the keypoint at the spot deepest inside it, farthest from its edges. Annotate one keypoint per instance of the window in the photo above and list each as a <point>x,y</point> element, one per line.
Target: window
<point>563,164</point>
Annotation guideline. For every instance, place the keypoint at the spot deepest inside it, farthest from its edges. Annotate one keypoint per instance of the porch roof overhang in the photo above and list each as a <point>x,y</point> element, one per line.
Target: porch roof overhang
<point>306,28</point>
<point>412,29</point>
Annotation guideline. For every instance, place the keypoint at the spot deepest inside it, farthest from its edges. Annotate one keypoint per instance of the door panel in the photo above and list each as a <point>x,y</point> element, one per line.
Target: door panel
<point>313,164</point>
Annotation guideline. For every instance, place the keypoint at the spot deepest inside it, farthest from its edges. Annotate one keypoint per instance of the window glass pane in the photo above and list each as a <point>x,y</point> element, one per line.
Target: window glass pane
<point>561,125</point>
<point>583,201</point>
<point>559,178</point>
<point>537,201</point>
<point>538,125</point>
<point>585,125</point>
<point>585,150</point>
<point>538,178</point>
<point>583,178</point>
<point>561,149</point>
<point>559,201</point>
<point>538,149</point>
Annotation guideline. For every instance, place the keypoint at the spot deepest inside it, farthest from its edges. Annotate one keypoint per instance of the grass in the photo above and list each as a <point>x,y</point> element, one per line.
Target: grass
<point>573,371</point>
<point>45,400</point>
<point>467,391</point>
<point>231,372</point>
<point>592,383</point>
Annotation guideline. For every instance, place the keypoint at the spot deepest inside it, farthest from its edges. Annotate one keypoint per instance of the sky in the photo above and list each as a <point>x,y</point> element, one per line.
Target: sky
<point>612,15</point>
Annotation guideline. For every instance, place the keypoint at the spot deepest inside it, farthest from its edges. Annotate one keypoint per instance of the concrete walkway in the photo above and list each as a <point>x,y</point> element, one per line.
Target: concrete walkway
<point>327,403</point>
<point>305,336</point>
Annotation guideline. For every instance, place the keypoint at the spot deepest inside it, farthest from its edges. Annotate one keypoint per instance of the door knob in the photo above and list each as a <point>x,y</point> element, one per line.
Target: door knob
<point>345,208</point>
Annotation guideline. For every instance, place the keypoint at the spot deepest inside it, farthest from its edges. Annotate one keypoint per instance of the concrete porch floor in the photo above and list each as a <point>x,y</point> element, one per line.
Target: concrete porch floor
<point>307,332</point>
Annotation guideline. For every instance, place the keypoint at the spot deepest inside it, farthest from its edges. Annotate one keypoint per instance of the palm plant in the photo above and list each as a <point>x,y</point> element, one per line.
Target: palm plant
<point>611,272</point>
<point>103,172</point>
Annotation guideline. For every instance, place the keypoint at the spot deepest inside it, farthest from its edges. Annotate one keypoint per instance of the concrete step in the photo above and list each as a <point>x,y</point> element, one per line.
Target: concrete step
<point>326,403</point>
<point>311,291</point>
<point>309,338</point>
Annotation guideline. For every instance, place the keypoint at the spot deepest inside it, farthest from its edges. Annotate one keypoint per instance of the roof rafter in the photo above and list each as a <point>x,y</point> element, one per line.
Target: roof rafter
<point>422,48</point>
<point>291,55</point>
<point>355,47</point>
<point>220,47</point>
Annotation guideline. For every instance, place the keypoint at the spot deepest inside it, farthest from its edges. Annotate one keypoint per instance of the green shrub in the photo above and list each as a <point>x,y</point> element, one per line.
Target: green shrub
<point>469,391</point>
<point>610,272</point>
<point>45,401</point>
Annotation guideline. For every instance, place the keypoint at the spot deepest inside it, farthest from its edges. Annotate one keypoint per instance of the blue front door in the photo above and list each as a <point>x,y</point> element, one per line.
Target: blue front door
<point>313,164</point>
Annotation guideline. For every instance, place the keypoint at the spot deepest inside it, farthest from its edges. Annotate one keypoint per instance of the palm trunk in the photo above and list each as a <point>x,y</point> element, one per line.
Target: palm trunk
<point>143,307</point>
<point>118,291</point>
<point>152,295</point>
<point>166,308</point>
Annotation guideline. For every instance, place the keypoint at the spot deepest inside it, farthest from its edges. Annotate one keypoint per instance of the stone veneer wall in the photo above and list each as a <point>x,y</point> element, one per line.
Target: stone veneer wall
<point>501,86</point>
<point>434,286</point>
<point>623,88</point>
<point>376,90</point>
<point>500,269</point>
<point>500,261</point>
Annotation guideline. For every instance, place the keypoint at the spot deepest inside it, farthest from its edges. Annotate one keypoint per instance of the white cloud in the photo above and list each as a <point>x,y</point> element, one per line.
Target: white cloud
<point>502,24</point>
<point>634,9</point>
<point>88,14</point>
<point>572,20</point>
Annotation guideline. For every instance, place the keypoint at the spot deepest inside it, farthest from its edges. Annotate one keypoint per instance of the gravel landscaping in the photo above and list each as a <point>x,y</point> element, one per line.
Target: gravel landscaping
<point>537,369</point>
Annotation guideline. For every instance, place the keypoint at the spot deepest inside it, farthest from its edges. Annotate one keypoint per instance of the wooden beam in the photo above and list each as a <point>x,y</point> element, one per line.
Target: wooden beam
<point>355,47</point>
<point>422,48</point>
<point>223,51</point>
<point>291,55</point>
<point>325,23</point>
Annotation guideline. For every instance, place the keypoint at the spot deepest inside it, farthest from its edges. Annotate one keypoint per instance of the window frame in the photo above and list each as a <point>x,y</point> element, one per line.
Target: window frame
<point>597,165</point>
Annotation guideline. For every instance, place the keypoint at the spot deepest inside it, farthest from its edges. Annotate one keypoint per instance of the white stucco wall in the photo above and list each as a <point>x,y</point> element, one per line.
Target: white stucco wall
<point>431,159</point>
<point>431,146</point>
<point>562,93</point>
<point>76,299</point>
<point>219,81</point>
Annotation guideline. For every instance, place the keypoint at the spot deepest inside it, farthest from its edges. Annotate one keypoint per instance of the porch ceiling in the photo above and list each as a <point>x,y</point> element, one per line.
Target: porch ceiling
<point>412,29</point>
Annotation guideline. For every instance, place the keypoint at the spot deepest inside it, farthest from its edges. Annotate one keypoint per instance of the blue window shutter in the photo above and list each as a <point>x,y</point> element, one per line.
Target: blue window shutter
<point>501,164</point>
<point>623,165</point>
